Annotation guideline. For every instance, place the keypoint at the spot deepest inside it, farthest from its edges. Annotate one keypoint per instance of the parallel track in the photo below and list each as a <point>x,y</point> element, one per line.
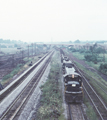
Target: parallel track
<point>6,92</point>
<point>75,112</point>
<point>97,102</point>
<point>102,86</point>
<point>13,112</point>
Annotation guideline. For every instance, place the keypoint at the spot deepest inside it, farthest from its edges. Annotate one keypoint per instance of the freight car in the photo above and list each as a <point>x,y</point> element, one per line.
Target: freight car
<point>73,87</point>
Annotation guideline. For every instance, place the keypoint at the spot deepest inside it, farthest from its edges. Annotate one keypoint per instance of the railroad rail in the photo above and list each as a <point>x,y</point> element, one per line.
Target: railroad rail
<point>97,102</point>
<point>19,80</point>
<point>75,112</point>
<point>13,111</point>
<point>100,85</point>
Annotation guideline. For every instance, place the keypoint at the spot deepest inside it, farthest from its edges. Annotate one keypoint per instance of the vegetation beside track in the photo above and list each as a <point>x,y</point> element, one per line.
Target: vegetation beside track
<point>90,111</point>
<point>96,81</point>
<point>51,101</point>
<point>94,57</point>
<point>19,69</point>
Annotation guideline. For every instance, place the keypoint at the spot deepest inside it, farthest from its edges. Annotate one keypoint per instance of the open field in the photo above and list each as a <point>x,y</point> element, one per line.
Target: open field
<point>9,50</point>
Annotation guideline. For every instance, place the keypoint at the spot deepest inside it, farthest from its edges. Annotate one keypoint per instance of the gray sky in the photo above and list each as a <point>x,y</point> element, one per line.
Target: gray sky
<point>53,20</point>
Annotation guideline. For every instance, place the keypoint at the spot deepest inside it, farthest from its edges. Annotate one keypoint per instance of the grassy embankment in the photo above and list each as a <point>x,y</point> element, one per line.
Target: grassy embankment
<point>95,80</point>
<point>51,101</point>
<point>90,111</point>
<point>81,57</point>
<point>18,69</point>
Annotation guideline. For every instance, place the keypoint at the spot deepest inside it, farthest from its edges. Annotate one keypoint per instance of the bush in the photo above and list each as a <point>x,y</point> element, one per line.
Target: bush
<point>103,68</point>
<point>74,50</point>
<point>100,50</point>
<point>91,57</point>
<point>82,51</point>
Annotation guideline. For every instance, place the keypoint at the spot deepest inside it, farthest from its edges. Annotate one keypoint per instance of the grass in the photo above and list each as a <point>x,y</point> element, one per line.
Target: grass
<point>90,112</point>
<point>9,50</point>
<point>94,80</point>
<point>51,102</point>
<point>18,69</point>
<point>10,75</point>
<point>81,57</point>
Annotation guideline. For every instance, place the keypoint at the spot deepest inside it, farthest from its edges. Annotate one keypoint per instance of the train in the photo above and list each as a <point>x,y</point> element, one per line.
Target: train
<point>72,81</point>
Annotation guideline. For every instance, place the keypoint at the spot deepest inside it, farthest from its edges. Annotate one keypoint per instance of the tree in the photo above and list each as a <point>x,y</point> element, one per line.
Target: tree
<point>77,41</point>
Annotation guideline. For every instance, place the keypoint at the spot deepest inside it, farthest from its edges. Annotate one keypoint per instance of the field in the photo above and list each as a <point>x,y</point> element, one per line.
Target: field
<point>81,57</point>
<point>9,50</point>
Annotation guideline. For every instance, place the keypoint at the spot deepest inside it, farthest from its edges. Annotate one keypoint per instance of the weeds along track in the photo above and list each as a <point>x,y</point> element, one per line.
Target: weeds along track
<point>102,86</point>
<point>5,92</point>
<point>97,102</point>
<point>75,112</point>
<point>14,110</point>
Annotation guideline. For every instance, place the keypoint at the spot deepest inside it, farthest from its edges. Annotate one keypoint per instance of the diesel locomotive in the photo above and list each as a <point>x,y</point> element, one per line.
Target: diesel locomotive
<point>72,81</point>
<point>73,87</point>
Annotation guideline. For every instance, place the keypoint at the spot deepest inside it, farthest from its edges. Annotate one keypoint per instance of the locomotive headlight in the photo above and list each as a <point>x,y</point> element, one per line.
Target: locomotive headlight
<point>72,76</point>
<point>73,85</point>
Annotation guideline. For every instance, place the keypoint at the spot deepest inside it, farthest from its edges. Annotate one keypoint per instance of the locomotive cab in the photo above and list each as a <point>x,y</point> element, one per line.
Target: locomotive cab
<point>73,88</point>
<point>73,77</point>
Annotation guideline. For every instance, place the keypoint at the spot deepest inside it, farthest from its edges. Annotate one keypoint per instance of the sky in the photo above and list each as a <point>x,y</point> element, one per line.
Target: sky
<point>53,20</point>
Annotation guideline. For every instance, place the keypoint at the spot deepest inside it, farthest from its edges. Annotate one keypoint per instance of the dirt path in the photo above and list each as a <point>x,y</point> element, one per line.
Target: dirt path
<point>87,66</point>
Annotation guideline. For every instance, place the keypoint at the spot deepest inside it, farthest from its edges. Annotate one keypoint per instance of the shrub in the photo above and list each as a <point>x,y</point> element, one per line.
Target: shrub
<point>103,68</point>
<point>81,50</point>
<point>91,57</point>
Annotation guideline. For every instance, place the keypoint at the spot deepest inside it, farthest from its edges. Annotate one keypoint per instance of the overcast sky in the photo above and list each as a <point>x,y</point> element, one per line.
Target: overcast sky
<point>53,20</point>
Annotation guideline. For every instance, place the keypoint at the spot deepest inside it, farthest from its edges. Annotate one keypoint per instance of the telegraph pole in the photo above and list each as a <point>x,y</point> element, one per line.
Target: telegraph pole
<point>0,47</point>
<point>32,49</point>
<point>104,54</point>
<point>22,54</point>
<point>28,52</point>
<point>35,48</point>
<point>13,59</point>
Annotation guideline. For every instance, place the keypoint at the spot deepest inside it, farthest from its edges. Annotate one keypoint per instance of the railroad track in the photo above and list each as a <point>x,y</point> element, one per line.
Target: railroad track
<point>97,102</point>
<point>14,110</point>
<point>19,80</point>
<point>102,86</point>
<point>75,112</point>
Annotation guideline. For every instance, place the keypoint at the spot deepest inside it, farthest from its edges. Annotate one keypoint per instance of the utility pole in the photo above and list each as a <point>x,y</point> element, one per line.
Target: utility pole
<point>28,52</point>
<point>104,54</point>
<point>13,60</point>
<point>22,55</point>
<point>0,47</point>
<point>32,49</point>
<point>35,48</point>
